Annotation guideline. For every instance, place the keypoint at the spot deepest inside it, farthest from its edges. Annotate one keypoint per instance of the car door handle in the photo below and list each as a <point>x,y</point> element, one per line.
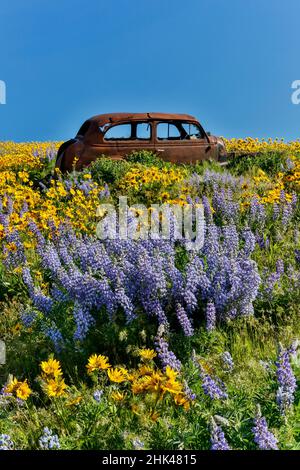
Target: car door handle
<point>160,150</point>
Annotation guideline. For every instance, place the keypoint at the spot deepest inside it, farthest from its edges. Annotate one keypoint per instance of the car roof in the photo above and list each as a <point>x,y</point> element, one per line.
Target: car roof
<point>102,119</point>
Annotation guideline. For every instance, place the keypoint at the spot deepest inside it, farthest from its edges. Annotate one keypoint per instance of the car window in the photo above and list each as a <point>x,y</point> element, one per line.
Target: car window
<point>167,131</point>
<point>192,131</point>
<point>143,131</point>
<point>119,132</point>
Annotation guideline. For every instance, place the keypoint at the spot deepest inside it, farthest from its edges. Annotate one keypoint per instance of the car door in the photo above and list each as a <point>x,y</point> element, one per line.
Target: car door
<point>182,142</point>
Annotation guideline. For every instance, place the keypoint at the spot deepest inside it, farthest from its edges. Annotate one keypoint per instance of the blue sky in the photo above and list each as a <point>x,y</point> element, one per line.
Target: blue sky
<point>229,62</point>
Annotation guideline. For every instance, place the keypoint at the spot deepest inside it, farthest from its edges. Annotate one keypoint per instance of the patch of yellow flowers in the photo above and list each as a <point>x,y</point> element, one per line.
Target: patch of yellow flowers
<point>146,379</point>
<point>52,381</point>
<point>269,190</point>
<point>56,204</point>
<point>250,145</point>
<point>153,181</point>
<point>25,154</point>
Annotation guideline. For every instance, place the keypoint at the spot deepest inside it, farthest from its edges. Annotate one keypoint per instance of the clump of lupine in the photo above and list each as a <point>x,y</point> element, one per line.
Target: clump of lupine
<point>218,440</point>
<point>48,440</point>
<point>263,438</point>
<point>214,388</point>
<point>97,395</point>
<point>5,442</point>
<point>142,276</point>
<point>286,378</point>
<point>227,361</point>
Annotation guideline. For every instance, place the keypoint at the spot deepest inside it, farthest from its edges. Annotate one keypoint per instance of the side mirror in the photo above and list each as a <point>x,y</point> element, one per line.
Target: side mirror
<point>208,133</point>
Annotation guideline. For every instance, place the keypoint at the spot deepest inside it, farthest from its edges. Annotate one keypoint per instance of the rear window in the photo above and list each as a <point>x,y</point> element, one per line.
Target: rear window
<point>129,131</point>
<point>119,132</point>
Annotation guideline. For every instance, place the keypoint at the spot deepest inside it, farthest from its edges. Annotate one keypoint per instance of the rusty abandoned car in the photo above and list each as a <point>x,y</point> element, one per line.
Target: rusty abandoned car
<point>177,138</point>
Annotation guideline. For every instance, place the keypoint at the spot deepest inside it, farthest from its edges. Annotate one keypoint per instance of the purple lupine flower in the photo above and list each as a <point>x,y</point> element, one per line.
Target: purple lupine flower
<point>184,321</point>
<point>217,439</point>
<point>289,164</point>
<point>166,356</point>
<point>210,316</point>
<point>224,205</point>
<point>260,240</point>
<point>287,213</point>
<point>48,440</point>
<point>230,243</point>
<point>271,282</point>
<point>98,395</point>
<point>125,302</point>
<point>286,379</point>
<point>41,301</point>
<point>16,257</point>
<point>27,279</point>
<point>214,388</point>
<point>279,267</point>
<point>188,392</point>
<point>257,214</point>
<point>24,209</point>
<point>294,201</point>
<point>56,337</point>
<point>138,444</point>
<point>250,241</point>
<point>28,318</point>
<point>207,209</point>
<point>83,320</point>
<point>5,442</point>
<point>227,360</point>
<point>264,439</point>
<point>276,211</point>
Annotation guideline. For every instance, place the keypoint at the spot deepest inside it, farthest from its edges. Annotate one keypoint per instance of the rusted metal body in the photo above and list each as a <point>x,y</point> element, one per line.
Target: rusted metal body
<point>177,138</point>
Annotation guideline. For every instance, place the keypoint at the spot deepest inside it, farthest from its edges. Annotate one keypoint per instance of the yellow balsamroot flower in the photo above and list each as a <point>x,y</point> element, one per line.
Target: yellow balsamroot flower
<point>56,387</point>
<point>172,387</point>
<point>97,362</point>
<point>51,367</point>
<point>75,401</point>
<point>147,354</point>
<point>145,370</point>
<point>141,385</point>
<point>181,400</point>
<point>117,396</point>
<point>20,389</point>
<point>116,375</point>
<point>12,386</point>
<point>155,381</point>
<point>16,329</point>
<point>23,391</point>
<point>126,373</point>
<point>171,373</point>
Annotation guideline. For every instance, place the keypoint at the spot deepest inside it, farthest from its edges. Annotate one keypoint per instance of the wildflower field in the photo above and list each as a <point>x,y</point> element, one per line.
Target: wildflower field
<point>145,344</point>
